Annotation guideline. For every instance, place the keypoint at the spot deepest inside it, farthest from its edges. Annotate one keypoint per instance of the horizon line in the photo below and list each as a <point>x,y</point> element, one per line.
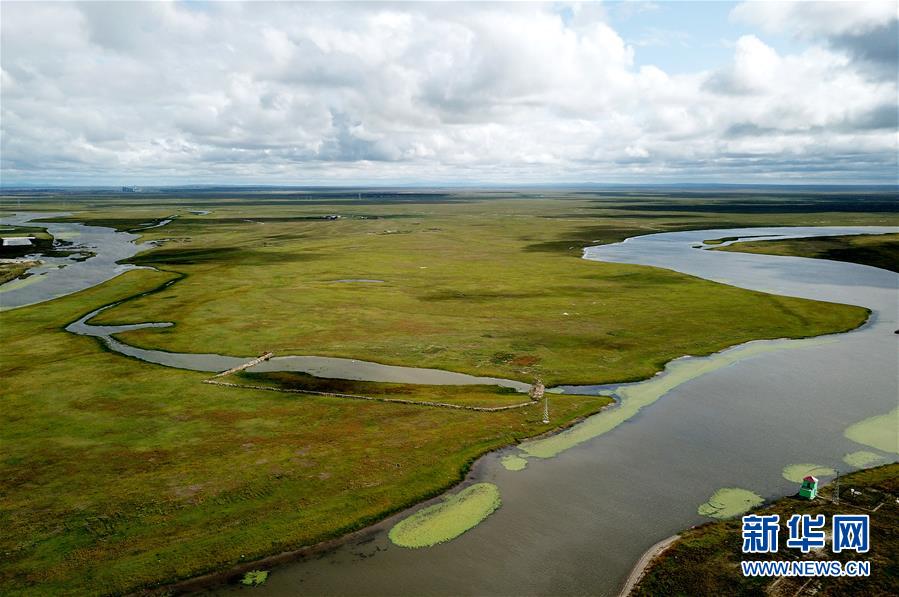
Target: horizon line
<point>442,185</point>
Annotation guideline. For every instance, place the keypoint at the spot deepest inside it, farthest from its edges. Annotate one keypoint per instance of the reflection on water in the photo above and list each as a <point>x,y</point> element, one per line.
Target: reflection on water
<point>633,397</point>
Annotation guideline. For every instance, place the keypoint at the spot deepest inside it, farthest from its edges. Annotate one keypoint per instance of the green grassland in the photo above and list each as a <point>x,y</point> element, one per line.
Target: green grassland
<point>35,232</point>
<point>705,560</point>
<point>881,250</point>
<point>120,474</point>
<point>480,288</point>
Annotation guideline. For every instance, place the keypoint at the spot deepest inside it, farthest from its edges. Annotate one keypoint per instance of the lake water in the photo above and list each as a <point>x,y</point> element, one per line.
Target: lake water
<point>59,276</point>
<point>576,523</point>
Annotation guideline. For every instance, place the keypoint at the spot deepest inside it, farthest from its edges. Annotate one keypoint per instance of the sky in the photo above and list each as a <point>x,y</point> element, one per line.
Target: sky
<point>167,93</point>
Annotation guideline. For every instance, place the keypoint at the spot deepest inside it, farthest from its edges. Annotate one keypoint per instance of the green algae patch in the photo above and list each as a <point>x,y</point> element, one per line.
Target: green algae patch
<point>863,459</point>
<point>254,578</point>
<point>729,502</point>
<point>878,432</point>
<point>447,520</point>
<point>513,462</point>
<point>634,397</point>
<point>798,472</point>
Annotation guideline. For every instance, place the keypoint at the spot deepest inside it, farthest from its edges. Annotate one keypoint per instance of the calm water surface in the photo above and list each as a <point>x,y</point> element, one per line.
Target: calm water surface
<point>575,524</point>
<point>59,276</point>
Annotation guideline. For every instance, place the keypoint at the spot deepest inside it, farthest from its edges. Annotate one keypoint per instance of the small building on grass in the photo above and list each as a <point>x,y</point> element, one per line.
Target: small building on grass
<point>809,488</point>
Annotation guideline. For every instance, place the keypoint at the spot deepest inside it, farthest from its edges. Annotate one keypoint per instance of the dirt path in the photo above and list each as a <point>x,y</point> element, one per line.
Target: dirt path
<point>643,563</point>
<point>246,365</point>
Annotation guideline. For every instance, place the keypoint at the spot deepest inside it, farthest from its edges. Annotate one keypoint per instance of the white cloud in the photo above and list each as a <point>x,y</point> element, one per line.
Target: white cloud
<point>865,32</point>
<point>318,92</point>
<point>816,18</point>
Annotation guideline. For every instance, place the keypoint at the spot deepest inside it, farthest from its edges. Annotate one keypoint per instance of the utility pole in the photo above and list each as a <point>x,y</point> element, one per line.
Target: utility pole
<point>836,489</point>
<point>538,391</point>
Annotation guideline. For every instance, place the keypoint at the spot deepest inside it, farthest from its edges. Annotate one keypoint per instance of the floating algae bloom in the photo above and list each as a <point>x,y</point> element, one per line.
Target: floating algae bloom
<point>730,501</point>
<point>254,578</point>
<point>863,459</point>
<point>514,462</point>
<point>798,472</point>
<point>447,520</point>
<point>878,432</point>
<point>634,397</point>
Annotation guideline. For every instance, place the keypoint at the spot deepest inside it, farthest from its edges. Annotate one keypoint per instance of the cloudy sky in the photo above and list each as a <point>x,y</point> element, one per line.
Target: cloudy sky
<point>417,93</point>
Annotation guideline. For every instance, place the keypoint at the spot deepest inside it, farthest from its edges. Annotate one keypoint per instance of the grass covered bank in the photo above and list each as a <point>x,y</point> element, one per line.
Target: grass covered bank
<point>705,560</point>
<point>880,250</point>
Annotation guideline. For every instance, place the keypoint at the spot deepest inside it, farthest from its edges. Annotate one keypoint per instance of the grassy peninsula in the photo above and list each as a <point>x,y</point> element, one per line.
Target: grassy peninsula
<point>878,250</point>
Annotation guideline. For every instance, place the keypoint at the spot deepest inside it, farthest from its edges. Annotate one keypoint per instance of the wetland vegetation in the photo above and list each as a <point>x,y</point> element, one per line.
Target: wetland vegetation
<point>469,287</point>
<point>727,502</point>
<point>14,269</point>
<point>121,475</point>
<point>448,519</point>
<point>879,250</point>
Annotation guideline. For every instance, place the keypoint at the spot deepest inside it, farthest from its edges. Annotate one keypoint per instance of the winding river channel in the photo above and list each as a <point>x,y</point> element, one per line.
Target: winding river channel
<point>580,507</point>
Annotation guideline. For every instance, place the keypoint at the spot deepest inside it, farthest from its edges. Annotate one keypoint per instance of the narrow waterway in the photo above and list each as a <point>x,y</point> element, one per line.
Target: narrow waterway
<point>577,518</point>
<point>327,367</point>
